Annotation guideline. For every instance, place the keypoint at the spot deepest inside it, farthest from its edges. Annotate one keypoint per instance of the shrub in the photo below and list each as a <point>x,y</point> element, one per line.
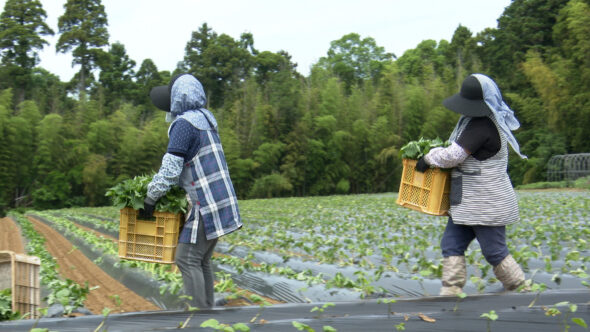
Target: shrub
<point>582,183</point>
<point>270,186</point>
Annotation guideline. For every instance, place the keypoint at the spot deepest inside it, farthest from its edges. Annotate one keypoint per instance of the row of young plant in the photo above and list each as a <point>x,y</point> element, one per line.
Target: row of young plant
<point>66,220</point>
<point>373,234</point>
<point>372,231</point>
<point>66,292</point>
<point>172,280</point>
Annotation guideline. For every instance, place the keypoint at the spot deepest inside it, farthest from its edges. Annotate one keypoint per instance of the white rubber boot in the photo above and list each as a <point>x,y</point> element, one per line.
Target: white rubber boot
<point>509,273</point>
<point>454,275</point>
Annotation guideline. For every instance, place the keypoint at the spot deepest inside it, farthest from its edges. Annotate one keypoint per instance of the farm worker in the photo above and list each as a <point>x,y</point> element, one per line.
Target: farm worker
<point>482,200</point>
<point>195,161</point>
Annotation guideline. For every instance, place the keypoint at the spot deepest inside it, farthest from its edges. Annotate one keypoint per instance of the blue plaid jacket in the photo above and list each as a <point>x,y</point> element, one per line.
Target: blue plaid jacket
<point>211,193</point>
<point>204,176</point>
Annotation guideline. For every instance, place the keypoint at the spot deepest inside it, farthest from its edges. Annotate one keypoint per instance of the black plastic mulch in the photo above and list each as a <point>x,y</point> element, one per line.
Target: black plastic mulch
<point>512,309</point>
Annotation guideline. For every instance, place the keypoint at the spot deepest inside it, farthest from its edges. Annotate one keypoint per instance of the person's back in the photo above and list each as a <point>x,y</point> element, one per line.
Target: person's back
<point>195,161</point>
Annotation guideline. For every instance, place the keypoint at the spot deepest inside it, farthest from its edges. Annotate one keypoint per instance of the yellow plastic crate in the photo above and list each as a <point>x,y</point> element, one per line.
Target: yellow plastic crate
<point>149,240</point>
<point>20,273</point>
<point>426,192</point>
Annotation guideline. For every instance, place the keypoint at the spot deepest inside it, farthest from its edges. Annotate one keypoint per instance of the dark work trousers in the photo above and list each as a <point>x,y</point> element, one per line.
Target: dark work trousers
<point>194,262</point>
<point>492,241</point>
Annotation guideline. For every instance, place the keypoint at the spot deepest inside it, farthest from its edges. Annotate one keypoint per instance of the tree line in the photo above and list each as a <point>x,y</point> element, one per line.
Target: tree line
<point>336,131</point>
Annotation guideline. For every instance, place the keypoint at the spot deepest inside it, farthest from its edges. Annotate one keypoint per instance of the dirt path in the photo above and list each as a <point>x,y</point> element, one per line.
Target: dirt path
<point>10,237</point>
<point>77,267</point>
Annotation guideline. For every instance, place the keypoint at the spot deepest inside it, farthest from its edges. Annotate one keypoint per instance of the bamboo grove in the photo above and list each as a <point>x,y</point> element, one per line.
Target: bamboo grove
<point>336,131</point>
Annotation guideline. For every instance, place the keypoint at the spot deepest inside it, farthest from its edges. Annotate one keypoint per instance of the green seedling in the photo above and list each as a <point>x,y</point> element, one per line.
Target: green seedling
<point>321,309</point>
<point>460,297</point>
<point>554,311</point>
<point>302,327</point>
<point>491,316</point>
<point>479,283</point>
<point>117,299</point>
<point>262,304</point>
<point>389,303</point>
<point>535,287</point>
<point>217,326</point>
<point>581,274</point>
<point>184,324</point>
<point>42,312</point>
<point>188,299</point>
<point>105,313</point>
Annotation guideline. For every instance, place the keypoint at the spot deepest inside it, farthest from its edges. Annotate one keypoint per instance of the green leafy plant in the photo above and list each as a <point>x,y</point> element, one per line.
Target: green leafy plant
<point>417,149</point>
<point>6,312</point>
<point>262,304</point>
<point>105,313</point>
<point>320,310</point>
<point>68,293</point>
<point>131,193</point>
<point>389,302</point>
<point>302,327</point>
<point>554,311</point>
<point>535,287</point>
<point>491,316</point>
<point>460,297</point>
<point>217,326</point>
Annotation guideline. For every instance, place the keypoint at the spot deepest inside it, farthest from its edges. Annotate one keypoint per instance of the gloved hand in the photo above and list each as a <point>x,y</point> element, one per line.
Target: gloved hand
<point>421,165</point>
<point>148,209</point>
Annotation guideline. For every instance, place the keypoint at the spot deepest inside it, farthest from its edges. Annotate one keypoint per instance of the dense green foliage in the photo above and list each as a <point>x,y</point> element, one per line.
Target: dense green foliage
<point>132,192</point>
<point>338,130</point>
<point>6,312</point>
<point>419,148</point>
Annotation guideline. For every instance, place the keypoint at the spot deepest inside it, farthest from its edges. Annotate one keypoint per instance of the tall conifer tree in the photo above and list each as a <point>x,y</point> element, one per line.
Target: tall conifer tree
<point>22,25</point>
<point>83,29</point>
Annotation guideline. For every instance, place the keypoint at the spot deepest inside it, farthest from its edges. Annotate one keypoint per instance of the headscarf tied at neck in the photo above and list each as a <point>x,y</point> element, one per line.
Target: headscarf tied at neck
<point>187,101</point>
<point>502,113</point>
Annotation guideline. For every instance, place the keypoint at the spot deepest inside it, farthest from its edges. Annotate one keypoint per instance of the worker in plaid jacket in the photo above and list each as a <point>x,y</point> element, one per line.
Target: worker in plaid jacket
<point>195,161</point>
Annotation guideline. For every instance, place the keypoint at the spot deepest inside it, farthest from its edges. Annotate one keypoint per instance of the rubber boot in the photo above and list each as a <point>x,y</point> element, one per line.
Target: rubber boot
<point>454,275</point>
<point>509,273</point>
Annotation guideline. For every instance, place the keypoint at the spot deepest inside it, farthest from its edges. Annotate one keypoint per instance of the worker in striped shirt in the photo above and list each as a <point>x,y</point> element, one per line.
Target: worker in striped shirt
<point>482,199</point>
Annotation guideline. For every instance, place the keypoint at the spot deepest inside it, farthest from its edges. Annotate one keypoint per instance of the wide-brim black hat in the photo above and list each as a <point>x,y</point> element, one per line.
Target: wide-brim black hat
<point>160,95</point>
<point>469,101</point>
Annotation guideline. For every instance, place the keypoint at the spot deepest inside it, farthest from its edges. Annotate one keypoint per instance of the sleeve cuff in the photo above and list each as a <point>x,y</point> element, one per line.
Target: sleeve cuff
<point>149,200</point>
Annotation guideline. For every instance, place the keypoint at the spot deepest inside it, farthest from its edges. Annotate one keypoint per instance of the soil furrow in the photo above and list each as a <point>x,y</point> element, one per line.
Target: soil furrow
<point>10,238</point>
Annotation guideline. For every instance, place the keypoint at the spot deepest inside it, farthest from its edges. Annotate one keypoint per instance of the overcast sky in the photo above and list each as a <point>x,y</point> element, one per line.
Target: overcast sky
<point>160,29</point>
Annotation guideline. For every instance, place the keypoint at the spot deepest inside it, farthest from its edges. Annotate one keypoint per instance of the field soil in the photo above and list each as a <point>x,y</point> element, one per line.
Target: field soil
<point>10,237</point>
<point>77,267</point>
<point>230,303</point>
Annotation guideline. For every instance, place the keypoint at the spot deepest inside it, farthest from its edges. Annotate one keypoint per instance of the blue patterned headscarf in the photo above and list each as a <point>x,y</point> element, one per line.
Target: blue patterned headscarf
<point>503,114</point>
<point>187,101</point>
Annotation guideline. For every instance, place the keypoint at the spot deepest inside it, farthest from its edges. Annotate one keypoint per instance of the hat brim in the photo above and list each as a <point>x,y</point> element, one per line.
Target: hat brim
<point>160,96</point>
<point>468,107</point>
